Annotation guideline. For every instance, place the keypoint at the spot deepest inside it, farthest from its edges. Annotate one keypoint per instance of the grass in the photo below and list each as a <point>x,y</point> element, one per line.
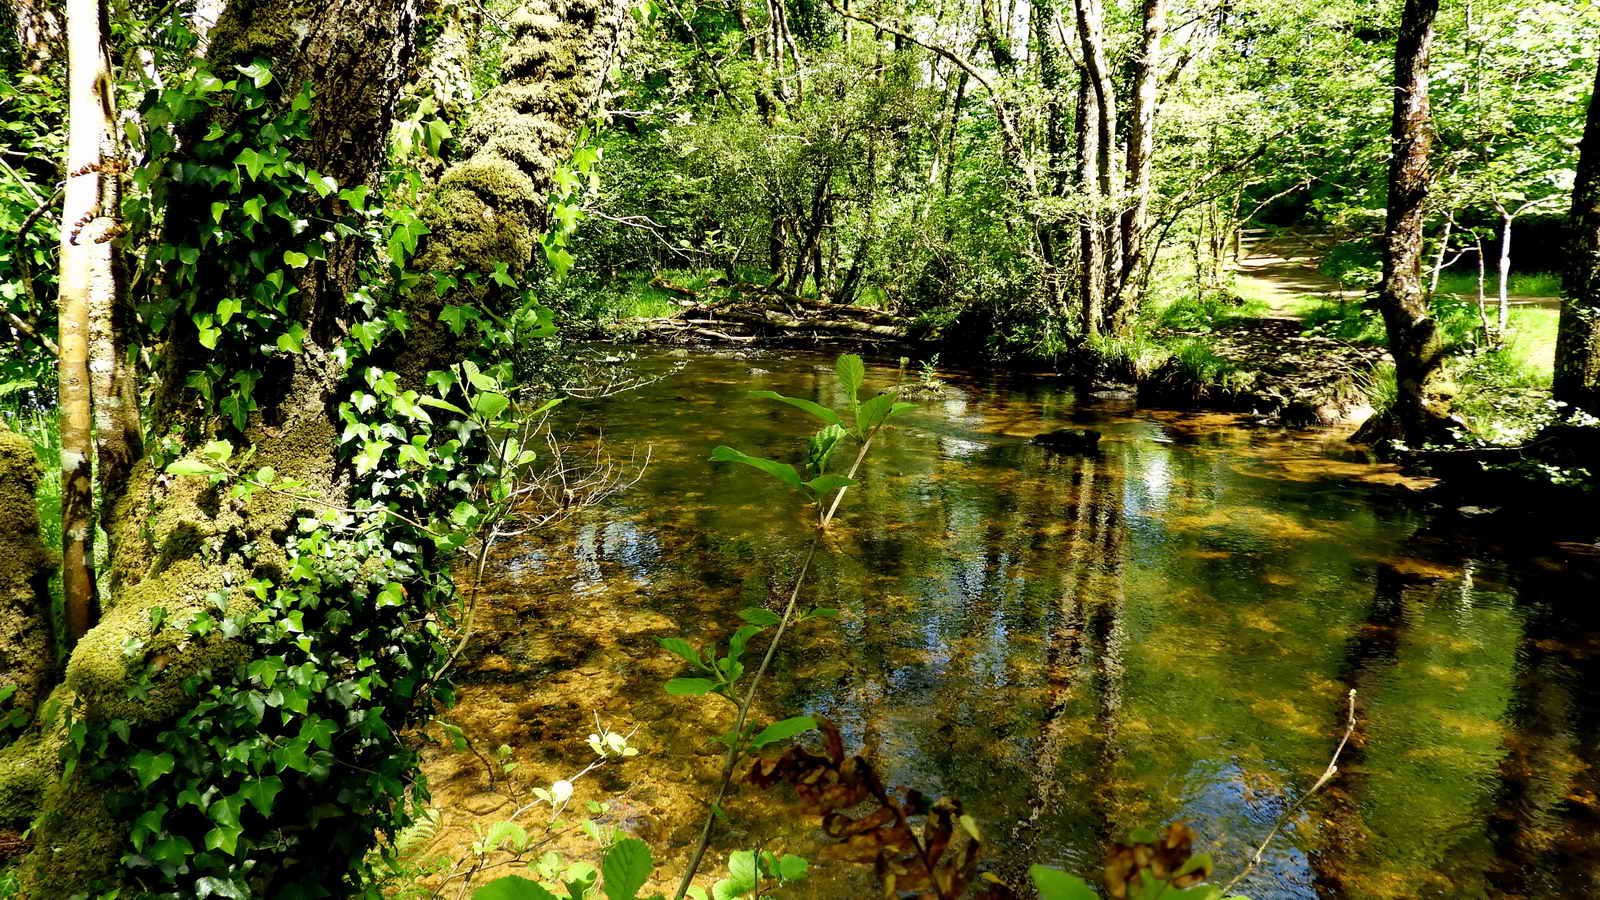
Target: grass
<point>1523,284</point>
<point>1190,311</point>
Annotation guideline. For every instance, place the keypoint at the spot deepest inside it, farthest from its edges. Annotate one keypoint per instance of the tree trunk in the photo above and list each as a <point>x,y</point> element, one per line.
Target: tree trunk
<point>1444,248</point>
<point>1414,340</point>
<point>489,209</point>
<point>118,433</point>
<point>1141,148</point>
<point>86,283</point>
<point>1505,271</point>
<point>27,652</point>
<point>1091,262</point>
<point>1091,28</point>
<point>39,32</point>
<point>1577,372</point>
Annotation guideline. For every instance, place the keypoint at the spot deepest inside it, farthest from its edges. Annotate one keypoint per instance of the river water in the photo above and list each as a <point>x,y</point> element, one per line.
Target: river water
<point>1072,646</point>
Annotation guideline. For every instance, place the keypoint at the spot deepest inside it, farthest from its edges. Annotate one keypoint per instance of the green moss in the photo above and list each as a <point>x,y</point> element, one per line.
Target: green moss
<point>26,651</point>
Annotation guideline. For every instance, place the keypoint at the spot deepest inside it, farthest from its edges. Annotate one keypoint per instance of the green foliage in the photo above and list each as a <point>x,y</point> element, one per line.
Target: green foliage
<point>31,114</point>
<point>253,788</point>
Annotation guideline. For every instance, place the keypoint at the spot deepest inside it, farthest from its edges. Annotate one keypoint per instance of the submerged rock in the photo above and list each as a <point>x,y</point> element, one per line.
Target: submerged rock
<point>1069,440</point>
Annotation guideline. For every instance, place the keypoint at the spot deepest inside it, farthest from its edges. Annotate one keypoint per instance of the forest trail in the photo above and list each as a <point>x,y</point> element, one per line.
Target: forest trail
<point>1281,269</point>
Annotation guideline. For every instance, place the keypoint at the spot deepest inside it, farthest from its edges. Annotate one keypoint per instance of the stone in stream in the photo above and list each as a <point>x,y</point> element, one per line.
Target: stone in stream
<point>1069,440</point>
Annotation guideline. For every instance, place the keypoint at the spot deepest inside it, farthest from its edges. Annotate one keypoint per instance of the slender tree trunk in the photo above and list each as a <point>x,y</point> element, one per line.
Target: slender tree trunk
<point>1414,339</point>
<point>1091,35</point>
<point>1091,262</point>
<point>1577,372</point>
<point>85,272</point>
<point>1444,248</point>
<point>1141,144</point>
<point>1505,270</point>
<point>118,433</point>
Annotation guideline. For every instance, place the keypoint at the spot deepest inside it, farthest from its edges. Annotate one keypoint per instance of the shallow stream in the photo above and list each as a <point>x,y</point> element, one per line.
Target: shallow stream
<point>1071,645</point>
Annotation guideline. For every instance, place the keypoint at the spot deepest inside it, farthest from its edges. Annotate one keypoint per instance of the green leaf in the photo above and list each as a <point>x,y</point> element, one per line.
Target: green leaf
<point>261,792</point>
<point>513,887</point>
<point>742,871</point>
<point>626,868</point>
<point>224,838</point>
<point>150,766</point>
<point>781,471</point>
<point>791,867</point>
<point>690,687</point>
<point>823,485</point>
<point>852,373</point>
<point>295,259</point>
<point>827,415</point>
<point>781,731</point>
<point>682,649</point>
<point>190,466</point>
<point>490,405</point>
<point>874,412</point>
<point>755,615</point>
<point>1054,884</point>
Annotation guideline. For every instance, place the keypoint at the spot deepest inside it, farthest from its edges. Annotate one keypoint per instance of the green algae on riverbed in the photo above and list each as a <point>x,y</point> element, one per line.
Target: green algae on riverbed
<point>1073,646</point>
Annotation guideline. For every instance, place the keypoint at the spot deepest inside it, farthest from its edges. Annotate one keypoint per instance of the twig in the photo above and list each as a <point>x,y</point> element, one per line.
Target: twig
<point>1327,776</point>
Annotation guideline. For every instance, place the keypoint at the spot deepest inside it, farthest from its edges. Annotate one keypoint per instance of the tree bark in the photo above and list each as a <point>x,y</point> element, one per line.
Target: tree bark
<point>1422,408</point>
<point>1091,255</point>
<point>1141,150</point>
<point>1505,271</point>
<point>86,282</point>
<point>1577,370</point>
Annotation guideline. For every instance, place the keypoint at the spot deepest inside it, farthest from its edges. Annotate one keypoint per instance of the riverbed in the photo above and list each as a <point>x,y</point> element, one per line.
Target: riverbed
<point>1070,645</point>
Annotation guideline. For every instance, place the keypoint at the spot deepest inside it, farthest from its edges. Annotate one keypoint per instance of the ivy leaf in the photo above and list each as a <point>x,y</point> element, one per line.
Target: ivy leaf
<point>781,731</point>
<point>261,792</point>
<point>208,886</point>
<point>224,838</point>
<point>251,160</point>
<point>295,260</point>
<point>150,766</point>
<point>626,868</point>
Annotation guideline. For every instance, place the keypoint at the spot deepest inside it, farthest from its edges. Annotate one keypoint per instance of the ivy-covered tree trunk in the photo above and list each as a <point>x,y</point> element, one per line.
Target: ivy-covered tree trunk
<point>184,546</point>
<point>491,209</point>
<point>1577,374</point>
<point>1422,406</point>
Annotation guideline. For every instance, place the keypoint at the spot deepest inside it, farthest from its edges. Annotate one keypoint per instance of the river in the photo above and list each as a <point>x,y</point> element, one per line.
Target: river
<point>1070,645</point>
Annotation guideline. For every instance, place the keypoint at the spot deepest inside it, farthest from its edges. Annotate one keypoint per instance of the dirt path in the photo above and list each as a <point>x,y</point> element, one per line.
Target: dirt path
<point>1282,270</point>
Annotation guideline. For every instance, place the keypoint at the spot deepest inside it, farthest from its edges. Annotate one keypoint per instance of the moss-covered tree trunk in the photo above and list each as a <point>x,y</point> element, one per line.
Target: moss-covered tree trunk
<point>26,654</point>
<point>1577,378</point>
<point>179,541</point>
<point>176,540</point>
